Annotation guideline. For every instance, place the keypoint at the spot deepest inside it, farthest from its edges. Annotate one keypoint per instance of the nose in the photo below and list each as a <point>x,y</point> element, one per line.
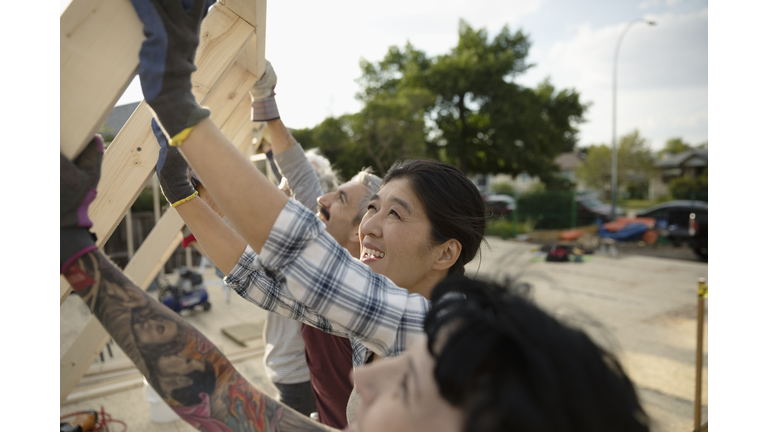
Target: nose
<point>324,200</point>
<point>370,225</point>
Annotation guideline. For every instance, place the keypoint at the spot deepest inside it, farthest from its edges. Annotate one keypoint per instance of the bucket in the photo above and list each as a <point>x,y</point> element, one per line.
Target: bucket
<point>159,411</point>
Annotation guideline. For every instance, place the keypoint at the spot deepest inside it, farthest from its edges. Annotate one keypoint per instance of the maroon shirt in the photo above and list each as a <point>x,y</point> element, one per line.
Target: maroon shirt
<point>329,359</point>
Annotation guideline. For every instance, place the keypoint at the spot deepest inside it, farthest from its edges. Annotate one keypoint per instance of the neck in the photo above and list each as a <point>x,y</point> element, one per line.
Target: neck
<point>425,286</point>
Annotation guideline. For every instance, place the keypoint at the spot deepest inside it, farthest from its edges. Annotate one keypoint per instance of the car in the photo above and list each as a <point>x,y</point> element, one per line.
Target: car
<point>591,204</point>
<point>682,221</point>
<point>500,205</point>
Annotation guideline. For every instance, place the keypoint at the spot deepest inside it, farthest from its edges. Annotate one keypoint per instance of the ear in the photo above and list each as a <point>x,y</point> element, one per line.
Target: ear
<point>448,254</point>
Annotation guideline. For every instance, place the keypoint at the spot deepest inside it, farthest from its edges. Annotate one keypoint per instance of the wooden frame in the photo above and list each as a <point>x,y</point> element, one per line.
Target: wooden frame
<point>100,41</point>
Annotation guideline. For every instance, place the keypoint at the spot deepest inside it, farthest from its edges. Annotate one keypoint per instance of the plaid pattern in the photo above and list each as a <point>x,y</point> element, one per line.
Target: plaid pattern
<point>303,274</point>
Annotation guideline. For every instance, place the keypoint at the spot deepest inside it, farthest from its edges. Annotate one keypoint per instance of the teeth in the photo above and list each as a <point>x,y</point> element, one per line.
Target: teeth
<point>372,252</point>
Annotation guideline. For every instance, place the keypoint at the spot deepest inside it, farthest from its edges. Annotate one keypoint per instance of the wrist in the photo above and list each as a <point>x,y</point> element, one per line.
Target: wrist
<point>264,109</point>
<point>74,243</point>
<point>178,115</point>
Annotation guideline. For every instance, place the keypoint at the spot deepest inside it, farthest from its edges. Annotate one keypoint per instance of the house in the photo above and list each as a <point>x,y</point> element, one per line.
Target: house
<point>117,118</point>
<point>691,164</point>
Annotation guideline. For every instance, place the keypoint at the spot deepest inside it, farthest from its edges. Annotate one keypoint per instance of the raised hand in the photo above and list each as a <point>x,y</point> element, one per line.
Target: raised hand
<point>263,105</point>
<point>173,171</point>
<point>167,60</point>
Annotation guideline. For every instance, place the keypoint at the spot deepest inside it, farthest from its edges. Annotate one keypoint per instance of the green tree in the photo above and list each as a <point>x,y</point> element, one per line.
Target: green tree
<point>462,108</point>
<point>675,146</point>
<point>634,164</point>
<point>481,121</point>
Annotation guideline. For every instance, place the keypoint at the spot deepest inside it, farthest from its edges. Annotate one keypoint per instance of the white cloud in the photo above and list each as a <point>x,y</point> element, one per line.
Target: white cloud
<point>662,76</point>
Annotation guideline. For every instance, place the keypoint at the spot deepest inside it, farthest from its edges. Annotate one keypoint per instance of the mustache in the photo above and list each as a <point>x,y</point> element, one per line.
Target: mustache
<point>324,211</point>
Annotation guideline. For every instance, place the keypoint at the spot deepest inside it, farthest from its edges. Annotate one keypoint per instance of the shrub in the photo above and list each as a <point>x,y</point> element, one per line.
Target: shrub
<point>687,188</point>
<point>505,228</point>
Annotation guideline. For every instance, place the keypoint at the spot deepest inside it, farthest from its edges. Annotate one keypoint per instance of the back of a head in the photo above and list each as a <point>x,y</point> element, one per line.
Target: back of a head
<point>327,177</point>
<point>511,366</point>
<point>372,184</point>
<point>451,201</point>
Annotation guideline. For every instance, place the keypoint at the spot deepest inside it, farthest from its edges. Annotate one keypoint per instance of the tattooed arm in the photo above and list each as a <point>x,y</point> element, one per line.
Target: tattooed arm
<point>180,363</point>
<point>184,367</point>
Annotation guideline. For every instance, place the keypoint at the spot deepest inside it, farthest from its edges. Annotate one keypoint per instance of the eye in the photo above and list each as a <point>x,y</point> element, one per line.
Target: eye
<point>371,207</point>
<point>393,212</point>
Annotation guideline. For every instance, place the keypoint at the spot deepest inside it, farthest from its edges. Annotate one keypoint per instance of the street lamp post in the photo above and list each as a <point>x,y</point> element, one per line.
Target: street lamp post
<point>614,152</point>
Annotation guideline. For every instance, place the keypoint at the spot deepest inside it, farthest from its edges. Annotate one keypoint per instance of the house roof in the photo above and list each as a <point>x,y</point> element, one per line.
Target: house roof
<point>686,158</point>
<point>117,118</point>
<point>568,161</point>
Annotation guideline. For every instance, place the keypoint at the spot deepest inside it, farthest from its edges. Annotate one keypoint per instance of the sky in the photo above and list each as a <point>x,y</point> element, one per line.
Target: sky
<point>315,48</point>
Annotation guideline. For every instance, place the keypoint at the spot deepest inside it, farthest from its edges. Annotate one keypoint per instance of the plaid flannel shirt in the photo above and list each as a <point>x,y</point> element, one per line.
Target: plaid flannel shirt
<point>302,273</point>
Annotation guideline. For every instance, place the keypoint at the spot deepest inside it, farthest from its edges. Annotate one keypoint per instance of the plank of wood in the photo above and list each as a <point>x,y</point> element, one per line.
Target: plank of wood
<point>100,42</point>
<point>99,53</point>
<point>126,168</point>
<point>142,268</point>
<point>241,333</point>
<point>255,13</point>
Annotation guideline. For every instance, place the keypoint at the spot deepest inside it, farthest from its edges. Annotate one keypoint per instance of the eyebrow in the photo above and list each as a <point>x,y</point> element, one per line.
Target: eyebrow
<point>403,204</point>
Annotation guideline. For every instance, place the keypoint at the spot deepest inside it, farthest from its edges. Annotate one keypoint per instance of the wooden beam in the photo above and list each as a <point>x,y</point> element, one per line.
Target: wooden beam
<point>253,12</point>
<point>100,41</point>
<point>99,44</point>
<point>143,267</point>
<point>130,160</point>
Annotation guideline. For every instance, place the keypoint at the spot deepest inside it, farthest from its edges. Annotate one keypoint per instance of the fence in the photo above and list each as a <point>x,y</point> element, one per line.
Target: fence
<point>559,210</point>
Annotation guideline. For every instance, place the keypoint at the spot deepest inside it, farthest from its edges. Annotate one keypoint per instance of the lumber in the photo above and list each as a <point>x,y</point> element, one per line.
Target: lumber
<point>142,268</point>
<point>100,41</point>
<point>99,44</point>
<point>130,160</point>
<point>253,12</point>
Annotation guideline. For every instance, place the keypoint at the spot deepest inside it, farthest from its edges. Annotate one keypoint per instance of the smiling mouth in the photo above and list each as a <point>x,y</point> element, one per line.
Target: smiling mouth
<point>370,255</point>
<point>323,212</point>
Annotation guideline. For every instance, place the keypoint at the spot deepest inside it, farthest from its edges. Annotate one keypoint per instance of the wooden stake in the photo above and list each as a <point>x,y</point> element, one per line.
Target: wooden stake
<point>702,291</point>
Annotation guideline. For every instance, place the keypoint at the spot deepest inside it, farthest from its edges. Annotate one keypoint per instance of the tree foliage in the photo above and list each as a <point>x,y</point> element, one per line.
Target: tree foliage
<point>634,163</point>
<point>462,107</point>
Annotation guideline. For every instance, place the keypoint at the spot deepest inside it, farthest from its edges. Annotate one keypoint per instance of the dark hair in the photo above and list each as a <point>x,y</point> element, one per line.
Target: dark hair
<point>511,366</point>
<point>452,203</point>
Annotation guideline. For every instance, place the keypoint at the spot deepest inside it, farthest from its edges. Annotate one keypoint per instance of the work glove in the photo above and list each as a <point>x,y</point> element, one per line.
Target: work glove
<point>167,60</point>
<point>263,105</point>
<point>77,181</point>
<point>173,171</point>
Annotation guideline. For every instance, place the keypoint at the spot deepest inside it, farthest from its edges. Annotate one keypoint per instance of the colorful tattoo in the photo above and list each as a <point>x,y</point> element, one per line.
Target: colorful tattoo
<point>180,363</point>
